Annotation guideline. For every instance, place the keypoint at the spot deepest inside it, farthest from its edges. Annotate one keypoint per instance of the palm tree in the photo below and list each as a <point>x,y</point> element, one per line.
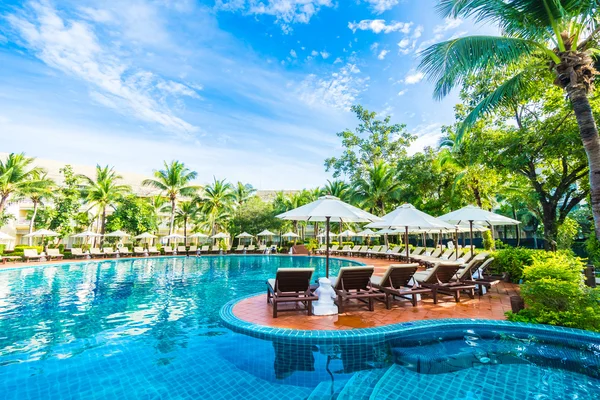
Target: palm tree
<point>16,175</point>
<point>186,212</point>
<point>243,192</point>
<point>339,189</point>
<point>40,188</point>
<point>217,200</point>
<point>377,189</point>
<point>103,191</point>
<point>174,182</point>
<point>537,34</point>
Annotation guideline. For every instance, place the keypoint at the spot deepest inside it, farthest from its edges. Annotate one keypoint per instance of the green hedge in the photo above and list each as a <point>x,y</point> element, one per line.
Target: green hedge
<point>2,247</point>
<point>514,260</point>
<point>555,294</point>
<point>18,251</point>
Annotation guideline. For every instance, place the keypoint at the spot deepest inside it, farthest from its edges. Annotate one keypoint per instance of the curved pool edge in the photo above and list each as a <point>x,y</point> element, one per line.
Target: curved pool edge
<point>231,321</point>
<point>70,262</point>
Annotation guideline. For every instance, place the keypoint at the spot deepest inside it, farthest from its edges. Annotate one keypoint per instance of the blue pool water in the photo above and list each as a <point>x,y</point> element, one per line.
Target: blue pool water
<point>150,329</point>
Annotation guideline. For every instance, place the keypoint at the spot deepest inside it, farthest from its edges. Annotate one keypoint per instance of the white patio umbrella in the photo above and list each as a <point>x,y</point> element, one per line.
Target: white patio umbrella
<point>220,235</point>
<point>368,233</point>
<point>473,215</point>
<point>5,236</point>
<point>408,217</point>
<point>266,232</point>
<point>86,234</point>
<point>174,236</point>
<point>198,235</point>
<point>244,235</point>
<point>145,235</point>
<point>119,234</point>
<point>328,209</point>
<point>322,235</point>
<point>290,235</point>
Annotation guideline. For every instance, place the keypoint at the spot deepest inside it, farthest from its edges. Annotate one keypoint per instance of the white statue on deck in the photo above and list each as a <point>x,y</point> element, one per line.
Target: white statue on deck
<point>326,294</point>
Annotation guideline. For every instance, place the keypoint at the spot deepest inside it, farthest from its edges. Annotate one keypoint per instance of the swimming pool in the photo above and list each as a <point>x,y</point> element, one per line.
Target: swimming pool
<point>150,328</point>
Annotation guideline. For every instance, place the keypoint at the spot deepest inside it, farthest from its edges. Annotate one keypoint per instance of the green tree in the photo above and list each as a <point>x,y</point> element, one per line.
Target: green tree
<point>39,189</point>
<point>66,202</point>
<point>337,188</point>
<point>254,216</point>
<point>103,191</point>
<point>186,211</point>
<point>174,181</point>
<point>133,215</point>
<point>243,192</point>
<point>372,141</point>
<point>560,34</point>
<point>16,173</point>
<point>378,190</point>
<point>217,202</point>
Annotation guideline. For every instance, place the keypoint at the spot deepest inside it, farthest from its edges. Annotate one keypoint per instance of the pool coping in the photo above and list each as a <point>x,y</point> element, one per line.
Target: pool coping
<point>231,321</point>
<point>98,260</point>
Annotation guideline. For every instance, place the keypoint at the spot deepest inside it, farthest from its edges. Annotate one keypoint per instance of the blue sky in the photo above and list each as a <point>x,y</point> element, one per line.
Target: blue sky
<point>249,90</point>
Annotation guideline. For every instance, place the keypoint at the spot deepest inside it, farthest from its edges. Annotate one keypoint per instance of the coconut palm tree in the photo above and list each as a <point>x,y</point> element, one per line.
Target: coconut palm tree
<point>174,182</point>
<point>186,212</point>
<point>537,35</point>
<point>16,174</point>
<point>103,191</point>
<point>39,189</point>
<point>217,200</point>
<point>377,189</point>
<point>243,192</point>
<point>339,189</point>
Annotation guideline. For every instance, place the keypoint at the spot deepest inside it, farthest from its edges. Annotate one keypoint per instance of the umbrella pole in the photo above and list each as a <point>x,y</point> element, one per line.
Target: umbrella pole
<point>471,229</point>
<point>406,243</point>
<point>456,244</point>
<point>327,246</point>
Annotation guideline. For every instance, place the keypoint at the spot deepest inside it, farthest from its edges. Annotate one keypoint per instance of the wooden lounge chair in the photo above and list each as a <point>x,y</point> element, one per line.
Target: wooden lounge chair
<point>205,249</point>
<point>153,251</point>
<point>480,279</point>
<point>124,251</point>
<point>321,250</point>
<point>240,248</point>
<point>381,252</point>
<point>76,252</point>
<point>333,249</point>
<point>5,259</point>
<point>291,285</point>
<point>109,252</point>
<point>343,250</point>
<point>442,279</point>
<point>445,257</point>
<point>394,253</point>
<point>168,250</point>
<point>415,254</point>
<point>139,251</point>
<point>262,248</point>
<point>251,248</point>
<point>31,254</point>
<point>192,249</point>
<point>96,253</point>
<point>371,252</point>
<point>398,282</point>
<point>182,250</point>
<point>54,254</point>
<point>362,249</point>
<point>215,249</point>
<point>354,283</point>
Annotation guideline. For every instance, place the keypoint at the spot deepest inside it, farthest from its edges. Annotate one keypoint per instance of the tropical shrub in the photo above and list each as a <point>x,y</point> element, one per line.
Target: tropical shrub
<point>19,249</point>
<point>488,240</point>
<point>513,260</point>
<point>567,233</point>
<point>2,247</point>
<point>555,294</point>
<point>592,247</point>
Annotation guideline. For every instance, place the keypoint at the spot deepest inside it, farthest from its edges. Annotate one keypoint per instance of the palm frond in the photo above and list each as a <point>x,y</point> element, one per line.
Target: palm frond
<point>449,63</point>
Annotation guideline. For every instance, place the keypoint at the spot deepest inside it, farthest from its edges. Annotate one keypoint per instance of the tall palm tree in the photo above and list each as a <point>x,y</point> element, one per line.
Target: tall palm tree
<point>537,34</point>
<point>243,192</point>
<point>103,191</point>
<point>337,188</point>
<point>16,174</point>
<point>217,199</point>
<point>174,182</point>
<point>377,189</point>
<point>186,212</point>
<point>39,189</point>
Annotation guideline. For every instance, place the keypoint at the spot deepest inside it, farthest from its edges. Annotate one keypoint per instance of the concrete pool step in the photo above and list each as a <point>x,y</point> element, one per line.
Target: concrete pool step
<point>361,385</point>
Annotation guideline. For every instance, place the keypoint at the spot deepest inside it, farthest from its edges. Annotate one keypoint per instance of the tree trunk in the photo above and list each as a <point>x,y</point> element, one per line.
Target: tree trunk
<point>185,232</point>
<point>477,195</point>
<point>550,230</point>
<point>588,131</point>
<point>3,200</point>
<point>103,225</point>
<point>172,217</point>
<point>32,222</point>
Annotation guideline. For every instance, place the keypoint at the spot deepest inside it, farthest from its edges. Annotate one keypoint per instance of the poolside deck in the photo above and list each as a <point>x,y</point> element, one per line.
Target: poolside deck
<point>492,305</point>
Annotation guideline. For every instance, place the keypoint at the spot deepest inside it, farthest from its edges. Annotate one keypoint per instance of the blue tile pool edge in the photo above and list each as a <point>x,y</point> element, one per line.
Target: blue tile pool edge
<point>388,331</point>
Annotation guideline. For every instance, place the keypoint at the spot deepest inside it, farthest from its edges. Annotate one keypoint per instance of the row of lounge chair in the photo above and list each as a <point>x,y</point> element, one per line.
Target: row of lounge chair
<point>400,282</point>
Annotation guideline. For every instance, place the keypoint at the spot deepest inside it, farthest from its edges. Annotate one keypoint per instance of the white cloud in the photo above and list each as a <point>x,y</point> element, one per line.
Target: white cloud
<point>314,53</point>
<point>73,48</point>
<point>325,55</point>
<point>449,24</point>
<point>402,92</point>
<point>426,43</point>
<point>404,43</point>
<point>428,135</point>
<point>293,53</point>
<point>418,32</point>
<point>413,77</point>
<point>286,12</point>
<point>374,46</point>
<point>339,90</point>
<point>338,60</point>
<point>379,25</point>
<point>379,6</point>
<point>382,54</point>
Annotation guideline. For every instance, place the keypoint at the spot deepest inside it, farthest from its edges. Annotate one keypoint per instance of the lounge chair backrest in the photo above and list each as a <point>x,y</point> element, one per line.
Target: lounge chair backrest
<point>293,279</point>
<point>364,248</point>
<point>262,247</point>
<point>375,249</point>
<point>356,247</point>
<point>467,256</point>
<point>416,251</point>
<point>193,248</point>
<point>53,252</point>
<point>168,249</point>
<point>447,254</point>
<point>152,249</point>
<point>436,253</point>
<point>354,278</point>
<point>138,249</point>
<point>216,247</point>
<point>181,249</point>
<point>95,250</point>
<point>205,248</point>
<point>396,250</point>
<point>76,251</point>
<point>334,248</point>
<point>240,247</point>
<point>107,250</point>
<point>251,247</point>
<point>383,249</point>
<point>399,275</point>
<point>123,249</point>
<point>470,269</point>
<point>443,272</point>
<point>30,253</point>
<point>486,264</point>
<point>345,248</point>
<point>322,248</point>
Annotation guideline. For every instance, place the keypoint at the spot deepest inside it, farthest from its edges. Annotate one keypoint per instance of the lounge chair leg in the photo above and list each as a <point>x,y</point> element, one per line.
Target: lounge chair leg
<point>371,306</point>
<point>434,294</point>
<point>388,301</point>
<point>457,296</point>
<point>309,306</point>
<point>414,300</point>
<point>274,309</point>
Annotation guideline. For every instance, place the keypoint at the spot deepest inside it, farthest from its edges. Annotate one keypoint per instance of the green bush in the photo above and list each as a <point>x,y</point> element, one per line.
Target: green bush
<point>18,251</point>
<point>513,260</point>
<point>555,294</point>
<point>488,240</point>
<point>567,232</point>
<point>592,247</point>
<point>2,247</point>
